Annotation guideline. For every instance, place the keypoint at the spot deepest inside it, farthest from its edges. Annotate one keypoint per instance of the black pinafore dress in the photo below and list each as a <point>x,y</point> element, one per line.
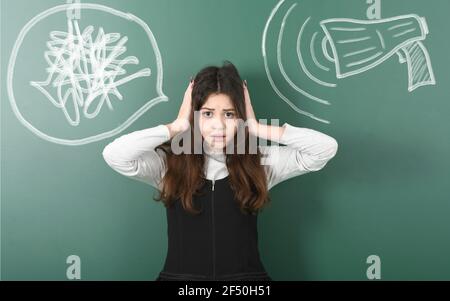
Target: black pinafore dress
<point>220,243</point>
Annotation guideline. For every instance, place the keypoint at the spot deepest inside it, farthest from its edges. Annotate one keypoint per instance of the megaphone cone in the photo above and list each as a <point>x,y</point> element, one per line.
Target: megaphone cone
<point>359,45</point>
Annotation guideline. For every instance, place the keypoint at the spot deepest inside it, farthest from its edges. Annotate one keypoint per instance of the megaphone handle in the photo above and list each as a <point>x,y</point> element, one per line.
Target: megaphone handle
<point>420,71</point>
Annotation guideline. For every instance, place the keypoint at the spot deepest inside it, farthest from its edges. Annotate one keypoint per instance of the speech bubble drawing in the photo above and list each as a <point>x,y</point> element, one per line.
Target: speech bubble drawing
<point>86,67</point>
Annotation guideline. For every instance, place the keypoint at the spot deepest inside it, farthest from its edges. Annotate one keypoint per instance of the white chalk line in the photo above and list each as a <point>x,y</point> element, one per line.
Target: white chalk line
<point>118,129</point>
<point>269,75</point>
<point>302,63</point>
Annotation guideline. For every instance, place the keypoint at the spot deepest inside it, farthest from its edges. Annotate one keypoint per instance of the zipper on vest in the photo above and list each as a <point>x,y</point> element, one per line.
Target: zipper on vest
<point>213,231</point>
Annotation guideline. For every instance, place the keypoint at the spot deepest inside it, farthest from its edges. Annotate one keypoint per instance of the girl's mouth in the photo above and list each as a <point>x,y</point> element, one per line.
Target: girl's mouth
<point>218,138</point>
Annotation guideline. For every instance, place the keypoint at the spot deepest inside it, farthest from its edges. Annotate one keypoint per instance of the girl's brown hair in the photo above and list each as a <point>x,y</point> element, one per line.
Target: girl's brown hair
<point>184,175</point>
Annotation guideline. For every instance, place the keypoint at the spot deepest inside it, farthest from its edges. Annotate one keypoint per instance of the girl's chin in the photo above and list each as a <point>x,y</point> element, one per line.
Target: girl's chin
<point>217,145</point>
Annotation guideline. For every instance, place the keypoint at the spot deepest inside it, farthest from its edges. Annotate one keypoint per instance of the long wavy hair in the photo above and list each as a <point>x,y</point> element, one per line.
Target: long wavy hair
<point>184,175</point>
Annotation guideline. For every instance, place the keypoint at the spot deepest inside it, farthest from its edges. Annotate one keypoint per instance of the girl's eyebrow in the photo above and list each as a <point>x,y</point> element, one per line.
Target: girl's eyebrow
<point>206,108</point>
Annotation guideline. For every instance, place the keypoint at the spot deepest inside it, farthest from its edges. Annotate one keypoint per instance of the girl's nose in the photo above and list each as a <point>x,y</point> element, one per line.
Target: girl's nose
<point>219,123</point>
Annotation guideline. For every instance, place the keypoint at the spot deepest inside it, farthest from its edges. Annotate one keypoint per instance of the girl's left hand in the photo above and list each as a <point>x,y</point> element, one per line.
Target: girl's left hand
<point>250,114</point>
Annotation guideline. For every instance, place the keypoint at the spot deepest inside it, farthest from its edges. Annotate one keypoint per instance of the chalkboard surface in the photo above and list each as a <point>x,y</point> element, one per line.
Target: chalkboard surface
<point>375,75</point>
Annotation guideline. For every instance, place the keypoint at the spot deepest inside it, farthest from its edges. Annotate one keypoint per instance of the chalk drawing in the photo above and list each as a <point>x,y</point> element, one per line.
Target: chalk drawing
<point>343,47</point>
<point>86,72</point>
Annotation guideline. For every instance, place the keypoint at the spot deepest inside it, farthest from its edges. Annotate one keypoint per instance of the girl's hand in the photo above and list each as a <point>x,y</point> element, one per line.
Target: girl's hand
<point>250,114</point>
<point>181,123</point>
<point>267,132</point>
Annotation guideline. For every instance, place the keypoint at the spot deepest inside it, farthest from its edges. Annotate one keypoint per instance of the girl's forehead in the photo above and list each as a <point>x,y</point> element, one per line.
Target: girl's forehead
<point>218,100</point>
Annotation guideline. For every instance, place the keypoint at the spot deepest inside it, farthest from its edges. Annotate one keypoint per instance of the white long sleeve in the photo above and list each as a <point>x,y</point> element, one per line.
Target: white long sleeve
<point>134,155</point>
<point>306,150</point>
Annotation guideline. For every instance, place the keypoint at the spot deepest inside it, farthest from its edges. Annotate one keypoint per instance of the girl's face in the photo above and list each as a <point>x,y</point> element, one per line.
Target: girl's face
<point>218,121</point>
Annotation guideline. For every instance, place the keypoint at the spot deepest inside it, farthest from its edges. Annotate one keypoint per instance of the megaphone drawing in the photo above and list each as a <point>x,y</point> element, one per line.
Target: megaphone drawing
<point>324,49</point>
<point>359,45</point>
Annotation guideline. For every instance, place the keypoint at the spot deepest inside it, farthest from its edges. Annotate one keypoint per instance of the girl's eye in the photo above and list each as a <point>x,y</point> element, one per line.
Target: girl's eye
<point>207,114</point>
<point>229,114</point>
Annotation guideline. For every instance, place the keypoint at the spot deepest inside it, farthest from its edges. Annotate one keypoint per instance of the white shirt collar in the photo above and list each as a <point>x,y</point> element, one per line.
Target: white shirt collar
<point>215,164</point>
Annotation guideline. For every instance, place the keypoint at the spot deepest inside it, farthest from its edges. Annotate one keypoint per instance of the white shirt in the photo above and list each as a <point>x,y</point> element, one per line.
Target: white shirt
<point>134,155</point>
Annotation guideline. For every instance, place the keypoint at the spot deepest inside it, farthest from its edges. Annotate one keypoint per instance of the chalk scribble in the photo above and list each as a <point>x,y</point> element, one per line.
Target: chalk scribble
<point>86,66</point>
<point>85,69</point>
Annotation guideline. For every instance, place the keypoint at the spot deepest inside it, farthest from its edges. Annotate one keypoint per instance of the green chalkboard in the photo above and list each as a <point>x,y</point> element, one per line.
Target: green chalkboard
<point>375,75</point>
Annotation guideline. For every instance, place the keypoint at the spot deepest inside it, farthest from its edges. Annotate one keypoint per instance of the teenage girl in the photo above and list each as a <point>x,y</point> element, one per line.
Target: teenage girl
<point>212,196</point>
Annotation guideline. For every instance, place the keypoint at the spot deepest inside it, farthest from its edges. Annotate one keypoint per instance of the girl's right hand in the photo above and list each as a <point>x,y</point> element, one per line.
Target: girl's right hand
<point>181,124</point>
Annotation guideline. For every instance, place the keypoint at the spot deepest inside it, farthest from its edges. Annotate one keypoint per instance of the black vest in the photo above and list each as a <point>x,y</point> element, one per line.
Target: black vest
<point>220,243</point>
